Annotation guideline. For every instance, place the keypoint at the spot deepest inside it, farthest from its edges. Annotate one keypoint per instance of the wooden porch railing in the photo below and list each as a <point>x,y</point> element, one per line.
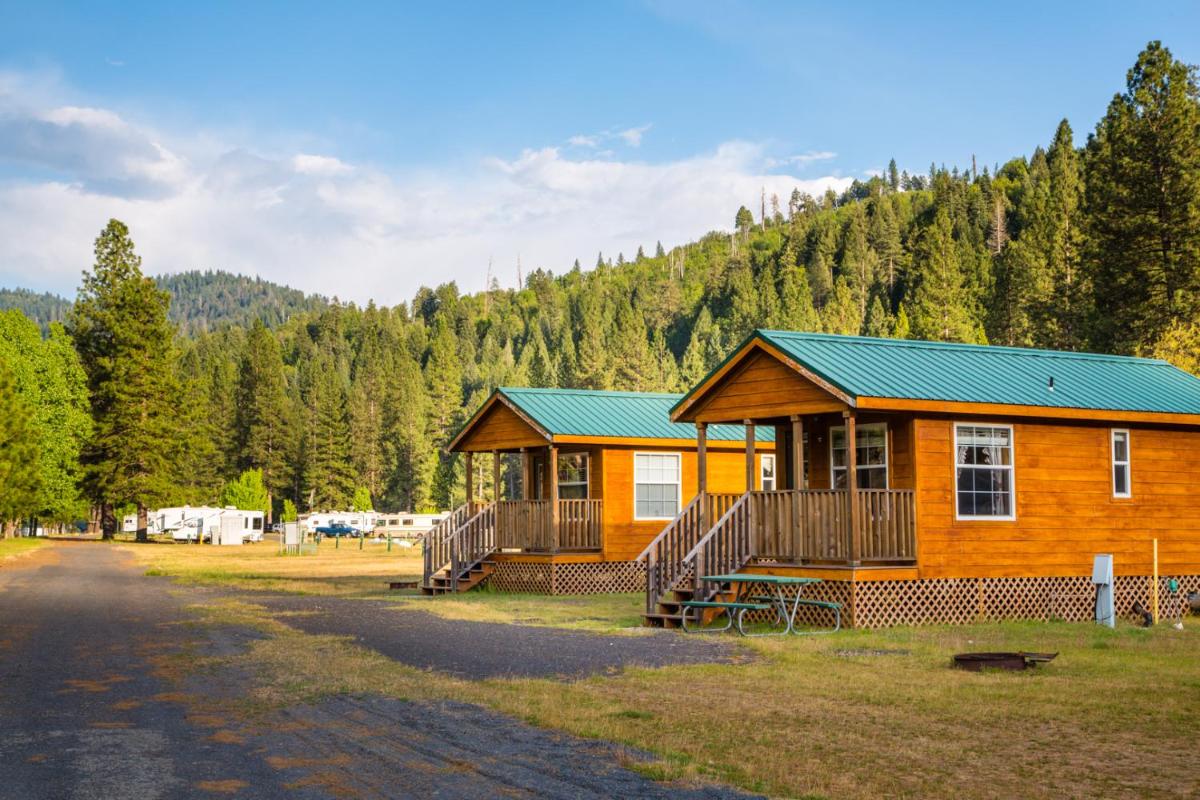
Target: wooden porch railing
<point>664,557</point>
<point>474,541</point>
<point>436,550</point>
<point>790,526</point>
<point>528,525</point>
<point>726,548</point>
<point>579,523</point>
<point>887,521</point>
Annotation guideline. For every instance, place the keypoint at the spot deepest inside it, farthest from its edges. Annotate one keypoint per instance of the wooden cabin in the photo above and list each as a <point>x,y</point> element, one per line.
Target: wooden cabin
<point>985,479</point>
<point>568,487</point>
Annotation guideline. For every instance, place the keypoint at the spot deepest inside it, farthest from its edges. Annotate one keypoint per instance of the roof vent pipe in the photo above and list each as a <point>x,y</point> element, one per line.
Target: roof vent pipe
<point>1051,386</point>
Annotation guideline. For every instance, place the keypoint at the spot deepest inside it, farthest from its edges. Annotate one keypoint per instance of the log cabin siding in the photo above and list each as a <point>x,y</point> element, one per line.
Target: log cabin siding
<point>1065,509</point>
<point>626,537</point>
<point>500,428</point>
<point>761,388</point>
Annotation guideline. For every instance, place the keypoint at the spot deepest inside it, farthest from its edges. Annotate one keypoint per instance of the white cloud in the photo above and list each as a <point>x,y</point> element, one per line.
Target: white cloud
<point>633,136</point>
<point>307,164</point>
<point>803,159</point>
<point>348,229</point>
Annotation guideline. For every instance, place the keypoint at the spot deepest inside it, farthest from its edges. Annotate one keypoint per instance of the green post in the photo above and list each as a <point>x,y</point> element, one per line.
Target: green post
<point>337,542</point>
<point>389,543</point>
<point>362,537</point>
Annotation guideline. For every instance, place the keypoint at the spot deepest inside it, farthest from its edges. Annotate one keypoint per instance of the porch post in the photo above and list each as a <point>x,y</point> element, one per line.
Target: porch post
<point>553,467</point>
<point>749,455</point>
<point>496,476</point>
<point>799,483</point>
<point>526,474</point>
<point>782,472</point>
<point>470,483</point>
<point>799,479</point>
<point>852,486</point>
<point>702,472</point>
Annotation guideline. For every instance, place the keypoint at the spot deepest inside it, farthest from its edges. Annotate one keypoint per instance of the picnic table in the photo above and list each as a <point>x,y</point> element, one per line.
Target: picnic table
<point>743,602</point>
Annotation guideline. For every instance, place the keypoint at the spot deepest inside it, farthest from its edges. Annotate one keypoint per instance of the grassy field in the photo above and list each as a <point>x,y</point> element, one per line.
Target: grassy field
<point>855,714</point>
<point>14,548</point>
<point>342,569</point>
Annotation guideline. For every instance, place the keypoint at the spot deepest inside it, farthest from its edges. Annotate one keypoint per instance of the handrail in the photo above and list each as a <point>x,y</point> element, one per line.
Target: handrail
<point>664,556</point>
<point>726,548</point>
<point>474,541</point>
<point>435,544</point>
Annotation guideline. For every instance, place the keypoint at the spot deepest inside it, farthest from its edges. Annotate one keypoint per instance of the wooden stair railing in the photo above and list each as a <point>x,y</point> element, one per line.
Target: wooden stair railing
<point>436,549</point>
<point>725,549</point>
<point>473,542</point>
<point>664,556</point>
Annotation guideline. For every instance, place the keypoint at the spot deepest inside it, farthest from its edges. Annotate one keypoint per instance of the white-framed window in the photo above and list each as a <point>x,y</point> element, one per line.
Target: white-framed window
<point>656,485</point>
<point>573,476</point>
<point>766,472</point>
<point>983,472</point>
<point>1122,480</point>
<point>870,457</point>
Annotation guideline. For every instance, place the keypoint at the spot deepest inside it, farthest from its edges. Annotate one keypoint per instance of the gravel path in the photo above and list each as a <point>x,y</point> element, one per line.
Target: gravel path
<point>92,705</point>
<point>480,650</point>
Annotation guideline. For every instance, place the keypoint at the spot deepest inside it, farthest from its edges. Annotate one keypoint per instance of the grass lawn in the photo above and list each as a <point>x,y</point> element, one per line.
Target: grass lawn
<point>14,548</point>
<point>336,569</point>
<point>849,715</point>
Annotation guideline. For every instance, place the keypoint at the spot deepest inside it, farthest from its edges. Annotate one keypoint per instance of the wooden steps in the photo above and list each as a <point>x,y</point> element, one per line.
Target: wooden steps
<point>669,613</point>
<point>475,575</point>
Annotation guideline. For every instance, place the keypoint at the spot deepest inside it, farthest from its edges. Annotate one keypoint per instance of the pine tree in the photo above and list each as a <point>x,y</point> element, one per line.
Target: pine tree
<point>262,421</point>
<point>841,314</point>
<point>595,364</point>
<point>938,301</point>
<point>120,328</point>
<point>1143,203</point>
<point>635,367</point>
<point>893,176</point>
<point>410,455</point>
<point>859,262</point>
<point>329,475</point>
<point>796,302</point>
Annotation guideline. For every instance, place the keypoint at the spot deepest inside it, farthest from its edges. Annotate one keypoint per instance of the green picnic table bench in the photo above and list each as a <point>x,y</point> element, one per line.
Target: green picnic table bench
<point>785,610</point>
<point>730,617</point>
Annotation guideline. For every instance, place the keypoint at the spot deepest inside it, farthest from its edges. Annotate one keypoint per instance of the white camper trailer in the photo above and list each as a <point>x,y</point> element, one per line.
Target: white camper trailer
<point>362,521</point>
<point>192,523</point>
<point>406,525</point>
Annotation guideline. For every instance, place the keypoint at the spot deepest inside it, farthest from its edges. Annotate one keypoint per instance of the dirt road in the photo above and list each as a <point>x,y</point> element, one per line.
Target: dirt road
<point>92,705</point>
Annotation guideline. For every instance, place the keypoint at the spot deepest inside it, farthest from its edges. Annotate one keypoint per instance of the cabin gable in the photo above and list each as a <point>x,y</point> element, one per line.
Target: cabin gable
<point>761,386</point>
<point>499,428</point>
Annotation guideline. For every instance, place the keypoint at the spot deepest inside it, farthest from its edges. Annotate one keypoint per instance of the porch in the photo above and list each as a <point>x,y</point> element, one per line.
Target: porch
<point>807,513</point>
<point>518,512</point>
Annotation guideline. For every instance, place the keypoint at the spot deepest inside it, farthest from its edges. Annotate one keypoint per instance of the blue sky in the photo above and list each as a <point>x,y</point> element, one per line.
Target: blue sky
<point>363,152</point>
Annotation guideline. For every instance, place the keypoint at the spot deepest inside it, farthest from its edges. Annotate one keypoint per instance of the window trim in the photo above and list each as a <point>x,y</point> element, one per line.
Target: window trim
<point>678,483</point>
<point>887,455</point>
<point>586,483</point>
<point>1113,463</point>
<point>762,472</point>
<point>1012,472</point>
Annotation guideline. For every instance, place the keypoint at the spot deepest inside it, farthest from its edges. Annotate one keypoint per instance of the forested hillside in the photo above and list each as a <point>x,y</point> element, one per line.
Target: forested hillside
<point>1078,245</point>
<point>200,301</point>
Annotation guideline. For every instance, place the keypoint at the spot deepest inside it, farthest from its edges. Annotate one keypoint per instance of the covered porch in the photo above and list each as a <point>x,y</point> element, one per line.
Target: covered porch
<point>807,511</point>
<point>526,495</point>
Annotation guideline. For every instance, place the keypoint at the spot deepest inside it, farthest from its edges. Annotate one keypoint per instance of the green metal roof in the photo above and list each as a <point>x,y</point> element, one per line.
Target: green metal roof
<point>907,369</point>
<point>625,415</point>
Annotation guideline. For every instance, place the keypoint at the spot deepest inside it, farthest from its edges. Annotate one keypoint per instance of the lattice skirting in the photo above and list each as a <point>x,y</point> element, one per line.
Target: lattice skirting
<point>595,577</point>
<point>958,601</point>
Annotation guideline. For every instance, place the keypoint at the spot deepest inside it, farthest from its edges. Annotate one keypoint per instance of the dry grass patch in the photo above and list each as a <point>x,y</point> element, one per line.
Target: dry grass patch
<point>15,548</point>
<point>856,714</point>
<point>342,570</point>
<point>604,613</point>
